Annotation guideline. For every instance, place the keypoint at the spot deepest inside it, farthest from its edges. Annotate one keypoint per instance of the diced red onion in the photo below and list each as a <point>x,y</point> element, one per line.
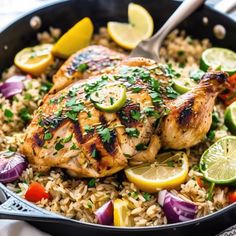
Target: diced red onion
<point>12,86</point>
<point>175,208</point>
<point>12,164</point>
<point>104,214</point>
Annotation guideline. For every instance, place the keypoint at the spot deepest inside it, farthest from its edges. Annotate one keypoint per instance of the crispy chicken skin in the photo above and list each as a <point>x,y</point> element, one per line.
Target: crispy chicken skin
<point>190,114</point>
<point>93,60</point>
<point>68,131</point>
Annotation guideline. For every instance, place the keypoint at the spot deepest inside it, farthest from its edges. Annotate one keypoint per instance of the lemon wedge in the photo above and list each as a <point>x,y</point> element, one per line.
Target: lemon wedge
<point>140,27</point>
<point>169,171</point>
<point>121,213</point>
<point>34,60</point>
<point>74,39</point>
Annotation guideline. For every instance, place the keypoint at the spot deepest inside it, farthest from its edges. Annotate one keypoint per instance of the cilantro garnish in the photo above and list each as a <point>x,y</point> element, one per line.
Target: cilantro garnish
<point>8,113</point>
<point>91,183</point>
<point>24,114</point>
<point>82,67</point>
<point>132,132</point>
<point>105,134</point>
<point>136,115</point>
<point>59,146</point>
<point>47,136</point>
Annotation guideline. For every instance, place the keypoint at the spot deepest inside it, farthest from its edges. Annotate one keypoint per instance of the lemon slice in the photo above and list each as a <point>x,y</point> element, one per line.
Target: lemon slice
<point>109,98</point>
<point>140,27</point>
<point>169,171</point>
<point>218,162</point>
<point>121,213</point>
<point>230,118</point>
<point>34,60</point>
<point>74,39</point>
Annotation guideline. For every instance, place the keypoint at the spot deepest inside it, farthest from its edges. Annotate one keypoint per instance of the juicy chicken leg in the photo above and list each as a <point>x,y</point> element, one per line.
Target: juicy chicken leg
<point>190,114</point>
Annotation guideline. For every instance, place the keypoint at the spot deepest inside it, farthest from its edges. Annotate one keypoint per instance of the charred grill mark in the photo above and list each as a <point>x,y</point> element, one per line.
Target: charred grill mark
<point>39,141</point>
<point>111,145</point>
<point>125,114</point>
<point>186,113</point>
<point>78,132</point>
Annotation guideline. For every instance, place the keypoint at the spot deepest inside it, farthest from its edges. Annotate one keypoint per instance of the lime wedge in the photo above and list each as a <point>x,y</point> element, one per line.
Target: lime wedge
<point>219,58</point>
<point>218,162</point>
<point>183,85</point>
<point>109,98</point>
<point>230,118</point>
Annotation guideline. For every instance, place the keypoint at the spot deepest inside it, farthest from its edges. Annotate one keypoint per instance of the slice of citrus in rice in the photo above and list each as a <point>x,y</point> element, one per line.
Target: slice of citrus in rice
<point>169,171</point>
<point>230,118</point>
<point>218,162</point>
<point>122,213</point>
<point>140,27</point>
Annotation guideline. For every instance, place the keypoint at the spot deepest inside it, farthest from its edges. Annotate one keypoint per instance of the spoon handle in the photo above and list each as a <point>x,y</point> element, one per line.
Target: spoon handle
<point>182,12</point>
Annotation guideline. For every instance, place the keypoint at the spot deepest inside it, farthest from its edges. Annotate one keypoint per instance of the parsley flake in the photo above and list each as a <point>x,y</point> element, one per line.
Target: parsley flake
<point>132,132</point>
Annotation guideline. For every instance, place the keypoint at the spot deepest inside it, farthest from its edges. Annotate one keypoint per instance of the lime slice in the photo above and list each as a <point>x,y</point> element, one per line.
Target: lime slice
<point>169,171</point>
<point>230,118</point>
<point>218,162</point>
<point>74,39</point>
<point>219,58</point>
<point>34,60</point>
<point>183,85</point>
<point>109,98</point>
<point>140,27</point>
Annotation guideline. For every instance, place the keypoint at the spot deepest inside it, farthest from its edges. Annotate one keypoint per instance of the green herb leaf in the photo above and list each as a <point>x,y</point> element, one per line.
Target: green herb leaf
<point>136,115</point>
<point>88,128</point>
<point>45,87</point>
<point>105,134</point>
<point>147,196</point>
<point>47,136</point>
<point>59,146</point>
<point>141,147</point>
<point>74,147</point>
<point>67,139</point>
<point>91,183</point>
<point>82,67</point>
<point>8,113</point>
<point>72,115</point>
<point>132,132</point>
<point>25,115</point>
<point>171,93</point>
<point>170,163</point>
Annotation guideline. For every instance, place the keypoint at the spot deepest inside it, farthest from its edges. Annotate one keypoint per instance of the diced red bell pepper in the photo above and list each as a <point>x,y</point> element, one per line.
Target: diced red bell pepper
<point>36,192</point>
<point>232,196</point>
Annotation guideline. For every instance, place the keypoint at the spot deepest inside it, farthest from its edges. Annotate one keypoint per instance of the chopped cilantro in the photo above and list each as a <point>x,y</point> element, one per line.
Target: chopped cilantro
<point>28,96</point>
<point>89,114</point>
<point>170,72</point>
<point>88,128</point>
<point>8,113</point>
<point>82,67</point>
<point>67,139</point>
<point>171,93</point>
<point>105,134</point>
<point>47,136</point>
<point>132,132</point>
<point>25,115</point>
<point>58,112</point>
<point>72,115</point>
<point>91,183</point>
<point>136,115</point>
<point>94,153</point>
<point>170,163</point>
<point>147,196</point>
<point>135,195</point>
<point>211,135</point>
<point>45,87</point>
<point>59,146</point>
<point>74,147</point>
<point>150,111</point>
<point>155,84</point>
<point>136,89</point>
<point>156,98</point>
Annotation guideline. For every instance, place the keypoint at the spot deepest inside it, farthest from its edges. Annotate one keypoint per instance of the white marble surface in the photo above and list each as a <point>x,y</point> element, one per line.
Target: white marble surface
<point>9,11</point>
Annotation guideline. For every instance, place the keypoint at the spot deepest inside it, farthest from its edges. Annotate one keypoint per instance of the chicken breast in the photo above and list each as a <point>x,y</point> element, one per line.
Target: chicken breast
<point>68,131</point>
<point>93,60</point>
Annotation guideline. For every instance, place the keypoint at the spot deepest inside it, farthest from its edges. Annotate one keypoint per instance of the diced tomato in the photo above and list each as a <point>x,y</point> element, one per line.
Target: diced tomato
<point>36,192</point>
<point>199,182</point>
<point>232,196</point>
<point>228,96</point>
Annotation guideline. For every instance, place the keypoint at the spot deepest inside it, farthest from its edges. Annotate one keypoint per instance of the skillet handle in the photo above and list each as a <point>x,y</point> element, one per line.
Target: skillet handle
<point>13,207</point>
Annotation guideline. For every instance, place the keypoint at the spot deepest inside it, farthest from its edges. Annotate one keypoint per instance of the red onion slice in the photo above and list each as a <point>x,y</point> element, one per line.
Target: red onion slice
<point>12,164</point>
<point>12,86</point>
<point>175,208</point>
<point>104,214</point>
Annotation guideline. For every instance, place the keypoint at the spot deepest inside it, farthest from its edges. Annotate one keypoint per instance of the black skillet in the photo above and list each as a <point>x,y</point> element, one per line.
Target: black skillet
<point>64,15</point>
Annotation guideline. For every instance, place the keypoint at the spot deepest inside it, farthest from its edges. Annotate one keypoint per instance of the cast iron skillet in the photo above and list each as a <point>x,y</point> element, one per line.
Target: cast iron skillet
<point>64,15</point>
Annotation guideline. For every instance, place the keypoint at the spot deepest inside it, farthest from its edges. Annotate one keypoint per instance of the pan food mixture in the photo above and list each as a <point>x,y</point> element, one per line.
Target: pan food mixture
<point>91,134</point>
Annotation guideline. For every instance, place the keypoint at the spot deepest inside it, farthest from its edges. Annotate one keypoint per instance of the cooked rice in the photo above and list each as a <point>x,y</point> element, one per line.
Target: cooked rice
<point>72,197</point>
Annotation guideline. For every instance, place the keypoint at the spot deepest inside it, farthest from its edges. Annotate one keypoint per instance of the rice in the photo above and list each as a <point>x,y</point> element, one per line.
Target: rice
<point>74,198</point>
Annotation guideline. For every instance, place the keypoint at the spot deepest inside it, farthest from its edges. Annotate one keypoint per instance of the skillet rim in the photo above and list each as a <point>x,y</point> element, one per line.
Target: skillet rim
<point>69,221</point>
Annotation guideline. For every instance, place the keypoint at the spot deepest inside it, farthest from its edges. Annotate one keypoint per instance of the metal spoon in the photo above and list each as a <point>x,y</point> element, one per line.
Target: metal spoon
<point>150,48</point>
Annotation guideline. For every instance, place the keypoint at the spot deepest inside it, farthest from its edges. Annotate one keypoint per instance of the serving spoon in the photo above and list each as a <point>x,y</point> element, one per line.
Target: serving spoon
<point>150,48</point>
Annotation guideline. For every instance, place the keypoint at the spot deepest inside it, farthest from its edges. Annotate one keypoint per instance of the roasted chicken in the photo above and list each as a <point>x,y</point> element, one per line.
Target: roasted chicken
<point>93,60</point>
<point>68,131</point>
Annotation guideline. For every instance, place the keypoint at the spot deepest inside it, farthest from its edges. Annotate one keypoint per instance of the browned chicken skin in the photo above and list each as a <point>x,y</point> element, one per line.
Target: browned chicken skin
<point>93,60</point>
<point>68,131</point>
